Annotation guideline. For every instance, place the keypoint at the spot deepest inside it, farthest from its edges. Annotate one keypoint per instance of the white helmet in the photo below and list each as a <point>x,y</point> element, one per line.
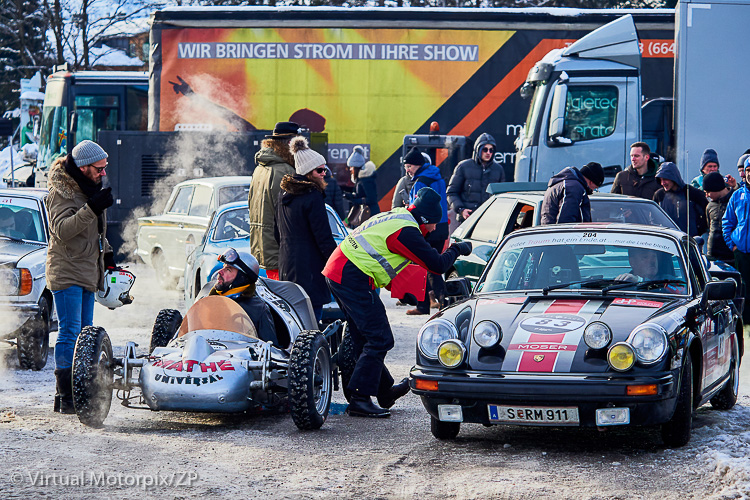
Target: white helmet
<point>117,285</point>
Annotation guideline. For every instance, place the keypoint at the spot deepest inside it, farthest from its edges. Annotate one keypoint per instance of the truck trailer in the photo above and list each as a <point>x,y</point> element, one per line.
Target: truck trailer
<point>370,76</point>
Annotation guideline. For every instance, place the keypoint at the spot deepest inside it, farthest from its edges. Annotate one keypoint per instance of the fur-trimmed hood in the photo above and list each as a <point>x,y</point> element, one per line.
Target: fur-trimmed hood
<point>274,151</point>
<point>296,185</point>
<point>368,170</point>
<point>59,180</point>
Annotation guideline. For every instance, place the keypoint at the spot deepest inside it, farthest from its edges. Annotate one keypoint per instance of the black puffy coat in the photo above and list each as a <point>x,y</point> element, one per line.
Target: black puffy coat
<point>467,187</point>
<point>304,236</point>
<point>566,198</point>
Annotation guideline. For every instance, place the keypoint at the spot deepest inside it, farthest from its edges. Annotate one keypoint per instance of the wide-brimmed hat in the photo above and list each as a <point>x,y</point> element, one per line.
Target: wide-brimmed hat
<point>284,130</point>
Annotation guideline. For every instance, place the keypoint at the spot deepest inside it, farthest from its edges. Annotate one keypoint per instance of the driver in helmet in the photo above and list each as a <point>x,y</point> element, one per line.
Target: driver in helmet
<point>236,280</point>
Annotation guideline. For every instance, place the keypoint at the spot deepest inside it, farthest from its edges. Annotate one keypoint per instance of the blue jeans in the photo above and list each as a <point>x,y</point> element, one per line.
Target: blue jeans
<point>75,309</point>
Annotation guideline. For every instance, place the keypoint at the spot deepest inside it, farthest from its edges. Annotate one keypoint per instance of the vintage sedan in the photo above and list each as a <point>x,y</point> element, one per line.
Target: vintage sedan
<point>593,325</point>
<point>27,306</point>
<point>518,205</point>
<point>229,228</point>
<point>165,241</point>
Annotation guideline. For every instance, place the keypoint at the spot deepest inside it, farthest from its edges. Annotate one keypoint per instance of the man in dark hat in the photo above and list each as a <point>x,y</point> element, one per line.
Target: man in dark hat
<point>273,162</point>
<point>567,196</point>
<point>719,193</point>
<point>369,258</point>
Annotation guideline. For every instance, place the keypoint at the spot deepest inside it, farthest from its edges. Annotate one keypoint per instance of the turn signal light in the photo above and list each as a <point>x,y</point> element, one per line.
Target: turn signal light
<point>426,385</point>
<point>642,390</point>
<point>26,282</point>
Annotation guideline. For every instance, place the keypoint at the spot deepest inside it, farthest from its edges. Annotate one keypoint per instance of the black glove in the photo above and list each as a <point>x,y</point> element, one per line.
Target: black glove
<point>101,201</point>
<point>109,261</point>
<point>463,247</point>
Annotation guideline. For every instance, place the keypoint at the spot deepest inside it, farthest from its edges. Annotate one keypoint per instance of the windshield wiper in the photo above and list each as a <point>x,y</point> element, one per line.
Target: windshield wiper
<point>11,238</point>
<point>593,282</point>
<point>644,284</point>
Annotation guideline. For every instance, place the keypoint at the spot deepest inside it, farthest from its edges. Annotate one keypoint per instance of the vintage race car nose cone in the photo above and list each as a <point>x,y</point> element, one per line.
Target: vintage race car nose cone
<point>196,349</point>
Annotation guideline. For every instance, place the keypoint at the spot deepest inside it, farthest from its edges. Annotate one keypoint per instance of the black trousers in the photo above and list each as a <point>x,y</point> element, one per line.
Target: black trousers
<point>742,264</point>
<point>372,337</point>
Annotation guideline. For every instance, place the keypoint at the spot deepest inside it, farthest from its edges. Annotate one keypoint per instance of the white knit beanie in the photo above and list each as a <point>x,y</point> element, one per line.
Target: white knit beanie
<point>305,159</point>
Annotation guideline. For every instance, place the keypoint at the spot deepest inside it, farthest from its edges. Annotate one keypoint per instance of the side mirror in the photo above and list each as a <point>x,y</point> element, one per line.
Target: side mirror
<point>719,290</point>
<point>557,113</point>
<point>458,288</point>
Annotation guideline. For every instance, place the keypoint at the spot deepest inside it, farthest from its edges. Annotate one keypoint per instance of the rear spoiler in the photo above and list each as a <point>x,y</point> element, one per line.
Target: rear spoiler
<point>510,187</point>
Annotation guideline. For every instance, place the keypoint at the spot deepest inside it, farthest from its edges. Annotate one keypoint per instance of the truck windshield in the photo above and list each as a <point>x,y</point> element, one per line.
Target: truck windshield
<point>54,129</point>
<point>533,117</point>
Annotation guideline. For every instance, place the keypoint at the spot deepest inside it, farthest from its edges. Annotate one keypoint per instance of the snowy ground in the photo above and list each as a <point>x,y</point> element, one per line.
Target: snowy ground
<point>175,455</point>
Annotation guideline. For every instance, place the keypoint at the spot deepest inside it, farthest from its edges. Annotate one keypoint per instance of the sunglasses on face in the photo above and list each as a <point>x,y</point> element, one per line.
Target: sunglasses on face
<point>488,150</point>
<point>320,170</point>
<point>99,170</point>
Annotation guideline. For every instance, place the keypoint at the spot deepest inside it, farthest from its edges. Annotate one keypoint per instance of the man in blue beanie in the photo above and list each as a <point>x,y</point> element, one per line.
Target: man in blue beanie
<point>709,163</point>
<point>369,258</point>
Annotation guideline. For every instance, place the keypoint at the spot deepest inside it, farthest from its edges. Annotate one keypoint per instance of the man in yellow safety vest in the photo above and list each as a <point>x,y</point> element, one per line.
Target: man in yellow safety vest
<point>369,258</point>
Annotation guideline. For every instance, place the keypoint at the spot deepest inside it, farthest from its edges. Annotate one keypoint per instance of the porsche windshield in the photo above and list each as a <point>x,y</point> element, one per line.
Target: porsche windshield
<point>587,260</point>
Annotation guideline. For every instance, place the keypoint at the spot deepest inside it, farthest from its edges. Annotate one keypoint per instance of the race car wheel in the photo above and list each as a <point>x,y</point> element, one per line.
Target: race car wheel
<point>727,397</point>
<point>33,338</point>
<point>310,380</point>
<point>347,361</point>
<point>676,432</point>
<point>93,374</point>
<point>167,323</point>
<point>444,430</point>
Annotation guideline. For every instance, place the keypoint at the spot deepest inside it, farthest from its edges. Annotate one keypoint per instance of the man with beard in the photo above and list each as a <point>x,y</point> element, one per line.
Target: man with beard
<point>236,280</point>
<point>78,252</point>
<point>273,162</point>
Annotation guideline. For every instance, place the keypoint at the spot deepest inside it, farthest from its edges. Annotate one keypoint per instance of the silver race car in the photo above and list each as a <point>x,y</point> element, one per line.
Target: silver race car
<point>213,361</point>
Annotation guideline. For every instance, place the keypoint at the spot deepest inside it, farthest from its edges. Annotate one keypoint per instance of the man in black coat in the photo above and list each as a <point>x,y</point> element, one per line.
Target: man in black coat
<point>467,188</point>
<point>567,195</point>
<point>301,227</point>
<point>719,193</point>
<point>675,196</point>
<point>639,179</point>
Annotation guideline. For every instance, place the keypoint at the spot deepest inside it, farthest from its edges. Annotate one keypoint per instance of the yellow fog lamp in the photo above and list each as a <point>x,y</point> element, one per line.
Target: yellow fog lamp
<point>451,353</point>
<point>621,357</point>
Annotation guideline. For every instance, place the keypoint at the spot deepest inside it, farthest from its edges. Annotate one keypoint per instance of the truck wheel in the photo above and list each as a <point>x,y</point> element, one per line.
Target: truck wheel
<point>444,430</point>
<point>33,338</point>
<point>310,380</point>
<point>163,277</point>
<point>347,361</point>
<point>727,396</point>
<point>167,323</point>
<point>676,432</point>
<point>93,374</point>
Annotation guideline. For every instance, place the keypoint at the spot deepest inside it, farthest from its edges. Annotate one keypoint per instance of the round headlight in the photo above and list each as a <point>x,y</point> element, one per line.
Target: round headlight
<point>433,334</point>
<point>597,335</point>
<point>621,357</point>
<point>451,353</point>
<point>487,334</point>
<point>649,343</point>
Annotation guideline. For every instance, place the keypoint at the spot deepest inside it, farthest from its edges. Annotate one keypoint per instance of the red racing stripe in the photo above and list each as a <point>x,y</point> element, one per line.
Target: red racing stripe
<point>565,306</point>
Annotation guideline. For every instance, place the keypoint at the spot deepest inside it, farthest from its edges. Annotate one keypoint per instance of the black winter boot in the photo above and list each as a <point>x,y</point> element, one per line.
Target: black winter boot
<point>362,406</point>
<point>390,396</point>
<point>64,396</point>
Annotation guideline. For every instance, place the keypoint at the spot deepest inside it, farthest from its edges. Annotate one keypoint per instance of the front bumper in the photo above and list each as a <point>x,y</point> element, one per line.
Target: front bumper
<point>15,315</point>
<point>473,391</point>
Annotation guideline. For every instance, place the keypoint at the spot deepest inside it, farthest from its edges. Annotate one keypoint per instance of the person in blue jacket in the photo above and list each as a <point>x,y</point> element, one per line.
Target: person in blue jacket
<point>567,195</point>
<point>427,175</point>
<point>735,227</point>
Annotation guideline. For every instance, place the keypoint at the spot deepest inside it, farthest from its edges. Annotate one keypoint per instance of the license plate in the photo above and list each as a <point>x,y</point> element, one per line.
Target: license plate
<point>533,415</point>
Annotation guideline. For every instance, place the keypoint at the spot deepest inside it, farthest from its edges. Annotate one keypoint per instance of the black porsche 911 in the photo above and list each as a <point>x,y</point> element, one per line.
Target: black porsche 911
<point>583,325</point>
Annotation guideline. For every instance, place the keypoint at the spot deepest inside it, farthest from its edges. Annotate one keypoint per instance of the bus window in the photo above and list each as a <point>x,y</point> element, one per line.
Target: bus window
<point>136,102</point>
<point>53,140</point>
<point>95,113</point>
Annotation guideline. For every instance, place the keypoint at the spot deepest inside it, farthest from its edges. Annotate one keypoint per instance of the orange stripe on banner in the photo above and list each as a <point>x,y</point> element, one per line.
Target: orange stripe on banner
<point>512,81</point>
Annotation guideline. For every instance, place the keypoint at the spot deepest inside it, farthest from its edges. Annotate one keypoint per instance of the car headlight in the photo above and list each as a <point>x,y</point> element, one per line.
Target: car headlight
<point>16,281</point>
<point>432,334</point>
<point>597,335</point>
<point>487,334</point>
<point>451,353</point>
<point>649,342</point>
<point>621,357</point>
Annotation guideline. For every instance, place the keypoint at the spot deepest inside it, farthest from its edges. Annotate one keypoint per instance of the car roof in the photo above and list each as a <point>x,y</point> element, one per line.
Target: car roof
<point>37,193</point>
<point>604,226</point>
<point>218,181</point>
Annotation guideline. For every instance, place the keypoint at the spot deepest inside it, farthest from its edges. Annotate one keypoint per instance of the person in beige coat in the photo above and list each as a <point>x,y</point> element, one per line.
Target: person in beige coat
<point>78,251</point>
<point>273,162</point>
